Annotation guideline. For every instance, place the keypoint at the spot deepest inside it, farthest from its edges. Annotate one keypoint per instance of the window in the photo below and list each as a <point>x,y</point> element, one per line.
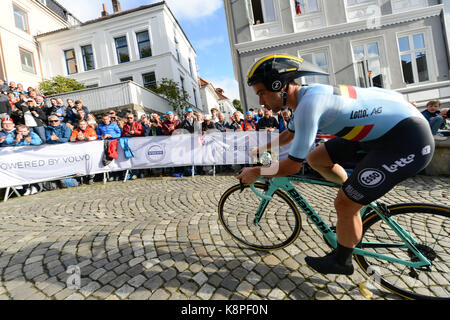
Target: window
<point>27,60</point>
<point>126,79</point>
<point>88,58</point>
<point>306,6</point>
<point>149,80</point>
<point>320,59</point>
<point>122,49</point>
<point>353,2</point>
<point>195,96</point>
<point>190,67</point>
<point>413,55</point>
<point>177,54</point>
<point>44,2</point>
<point>261,11</point>
<point>182,84</point>
<point>21,19</point>
<point>368,65</point>
<point>71,61</point>
<point>144,46</point>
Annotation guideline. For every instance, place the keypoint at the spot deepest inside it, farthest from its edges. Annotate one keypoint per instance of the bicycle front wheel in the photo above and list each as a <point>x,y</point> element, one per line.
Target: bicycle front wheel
<point>279,226</point>
<point>429,225</point>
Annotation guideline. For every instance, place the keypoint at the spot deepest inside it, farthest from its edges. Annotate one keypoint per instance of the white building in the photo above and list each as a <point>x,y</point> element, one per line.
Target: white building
<point>215,98</point>
<point>144,45</point>
<point>20,21</point>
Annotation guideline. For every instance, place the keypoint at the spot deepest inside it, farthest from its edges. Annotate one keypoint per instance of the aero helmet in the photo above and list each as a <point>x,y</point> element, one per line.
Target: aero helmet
<point>277,70</point>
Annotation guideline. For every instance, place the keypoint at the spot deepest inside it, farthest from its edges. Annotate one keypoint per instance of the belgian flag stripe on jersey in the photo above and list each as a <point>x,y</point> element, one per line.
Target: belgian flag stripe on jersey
<point>345,91</point>
<point>355,133</point>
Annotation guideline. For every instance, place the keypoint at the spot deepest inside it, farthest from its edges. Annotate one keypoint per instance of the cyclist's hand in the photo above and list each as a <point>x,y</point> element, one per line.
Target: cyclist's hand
<point>253,152</point>
<point>249,175</point>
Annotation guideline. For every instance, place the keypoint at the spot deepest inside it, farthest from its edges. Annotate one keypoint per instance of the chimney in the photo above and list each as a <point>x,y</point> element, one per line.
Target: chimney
<point>116,6</point>
<point>104,12</point>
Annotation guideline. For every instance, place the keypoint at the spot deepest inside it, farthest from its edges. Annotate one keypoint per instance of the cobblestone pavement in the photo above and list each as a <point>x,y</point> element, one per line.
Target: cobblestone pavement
<point>159,238</point>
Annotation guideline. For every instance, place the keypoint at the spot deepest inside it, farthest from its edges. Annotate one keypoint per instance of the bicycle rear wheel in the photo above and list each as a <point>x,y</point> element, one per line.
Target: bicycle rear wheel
<point>279,226</point>
<point>430,226</point>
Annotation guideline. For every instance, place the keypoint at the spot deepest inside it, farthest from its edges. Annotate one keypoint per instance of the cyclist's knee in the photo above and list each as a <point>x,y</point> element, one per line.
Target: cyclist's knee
<point>344,206</point>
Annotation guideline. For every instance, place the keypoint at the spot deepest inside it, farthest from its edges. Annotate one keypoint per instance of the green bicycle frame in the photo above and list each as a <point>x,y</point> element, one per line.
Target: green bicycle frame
<point>284,183</point>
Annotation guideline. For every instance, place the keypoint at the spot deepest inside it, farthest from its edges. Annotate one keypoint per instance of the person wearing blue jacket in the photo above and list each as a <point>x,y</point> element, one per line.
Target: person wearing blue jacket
<point>22,137</point>
<point>57,132</point>
<point>107,129</point>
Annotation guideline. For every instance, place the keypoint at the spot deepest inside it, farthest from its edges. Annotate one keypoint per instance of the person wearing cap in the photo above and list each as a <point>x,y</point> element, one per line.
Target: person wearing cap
<point>34,118</point>
<point>169,124</point>
<point>267,122</point>
<point>249,124</point>
<point>7,128</point>
<point>73,111</point>
<point>57,132</point>
<point>207,124</point>
<point>188,122</point>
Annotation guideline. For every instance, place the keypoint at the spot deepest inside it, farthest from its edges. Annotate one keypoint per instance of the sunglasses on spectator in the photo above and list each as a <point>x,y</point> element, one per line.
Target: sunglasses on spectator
<point>53,121</point>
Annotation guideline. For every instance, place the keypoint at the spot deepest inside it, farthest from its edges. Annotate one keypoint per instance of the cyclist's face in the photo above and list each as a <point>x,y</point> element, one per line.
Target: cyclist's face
<point>271,100</point>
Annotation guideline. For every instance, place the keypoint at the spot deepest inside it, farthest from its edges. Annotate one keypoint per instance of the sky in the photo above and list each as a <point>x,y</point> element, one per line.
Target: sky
<point>204,23</point>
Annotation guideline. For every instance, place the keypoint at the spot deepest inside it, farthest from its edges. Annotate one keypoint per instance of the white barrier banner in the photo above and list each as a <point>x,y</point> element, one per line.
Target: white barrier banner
<point>24,165</point>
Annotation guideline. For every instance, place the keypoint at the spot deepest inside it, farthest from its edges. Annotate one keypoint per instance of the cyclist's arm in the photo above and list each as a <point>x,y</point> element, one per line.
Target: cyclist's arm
<point>284,138</point>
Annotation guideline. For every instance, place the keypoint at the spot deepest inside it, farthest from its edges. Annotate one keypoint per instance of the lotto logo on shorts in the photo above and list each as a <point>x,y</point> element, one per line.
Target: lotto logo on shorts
<point>371,178</point>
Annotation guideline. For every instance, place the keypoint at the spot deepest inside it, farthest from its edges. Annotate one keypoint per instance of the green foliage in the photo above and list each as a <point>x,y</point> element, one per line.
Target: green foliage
<point>237,105</point>
<point>171,90</point>
<point>59,84</point>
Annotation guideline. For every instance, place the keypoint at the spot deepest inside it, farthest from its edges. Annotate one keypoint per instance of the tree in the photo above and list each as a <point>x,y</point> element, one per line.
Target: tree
<point>171,90</point>
<point>59,84</point>
<point>237,105</point>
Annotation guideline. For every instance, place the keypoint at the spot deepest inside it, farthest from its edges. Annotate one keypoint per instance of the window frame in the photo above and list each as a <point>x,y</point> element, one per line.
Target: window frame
<point>67,61</point>
<point>120,47</point>
<point>150,84</point>
<point>430,55</point>
<point>21,49</point>
<point>251,16</point>
<point>328,54</point>
<point>26,20</point>
<point>84,56</point>
<point>305,3</point>
<point>139,43</point>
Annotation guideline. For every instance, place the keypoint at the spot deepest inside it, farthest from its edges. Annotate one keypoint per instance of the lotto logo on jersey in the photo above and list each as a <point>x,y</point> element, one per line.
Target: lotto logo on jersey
<point>371,178</point>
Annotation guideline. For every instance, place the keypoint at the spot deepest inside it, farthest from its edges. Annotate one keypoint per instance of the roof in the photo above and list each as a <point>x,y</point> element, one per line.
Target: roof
<point>59,10</point>
<point>119,14</point>
<point>202,83</point>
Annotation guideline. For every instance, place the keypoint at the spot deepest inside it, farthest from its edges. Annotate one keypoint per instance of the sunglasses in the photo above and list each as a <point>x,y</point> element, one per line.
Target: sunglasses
<point>53,121</point>
<point>130,117</point>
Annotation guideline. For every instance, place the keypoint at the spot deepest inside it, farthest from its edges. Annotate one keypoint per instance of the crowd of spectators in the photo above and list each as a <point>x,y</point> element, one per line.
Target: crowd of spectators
<point>26,119</point>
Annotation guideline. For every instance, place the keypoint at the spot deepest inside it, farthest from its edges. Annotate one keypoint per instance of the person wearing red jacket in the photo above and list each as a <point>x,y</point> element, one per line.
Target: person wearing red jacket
<point>132,128</point>
<point>170,124</point>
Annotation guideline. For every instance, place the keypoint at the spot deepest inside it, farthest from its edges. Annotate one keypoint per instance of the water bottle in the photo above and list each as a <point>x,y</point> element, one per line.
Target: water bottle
<point>266,159</point>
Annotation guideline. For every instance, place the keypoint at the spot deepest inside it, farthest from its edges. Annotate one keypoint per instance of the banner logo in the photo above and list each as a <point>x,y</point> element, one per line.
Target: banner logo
<point>156,153</point>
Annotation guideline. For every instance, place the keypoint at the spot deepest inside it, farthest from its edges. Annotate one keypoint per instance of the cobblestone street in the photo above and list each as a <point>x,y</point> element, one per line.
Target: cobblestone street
<point>160,238</point>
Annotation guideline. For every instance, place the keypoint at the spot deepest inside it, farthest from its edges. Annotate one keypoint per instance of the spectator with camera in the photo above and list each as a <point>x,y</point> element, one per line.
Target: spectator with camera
<point>170,124</point>
<point>34,118</point>
<point>131,127</point>
<point>22,136</point>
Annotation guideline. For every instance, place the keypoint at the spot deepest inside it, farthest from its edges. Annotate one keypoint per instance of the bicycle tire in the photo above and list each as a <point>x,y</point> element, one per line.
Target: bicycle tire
<point>429,224</point>
<point>279,226</point>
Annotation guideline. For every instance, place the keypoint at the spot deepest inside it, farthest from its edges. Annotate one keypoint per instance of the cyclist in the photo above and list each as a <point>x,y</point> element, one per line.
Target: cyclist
<point>387,138</point>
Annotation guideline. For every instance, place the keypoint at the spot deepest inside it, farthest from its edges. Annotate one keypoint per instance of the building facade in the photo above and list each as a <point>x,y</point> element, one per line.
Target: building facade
<point>215,98</point>
<point>20,22</point>
<point>395,44</point>
<point>144,45</point>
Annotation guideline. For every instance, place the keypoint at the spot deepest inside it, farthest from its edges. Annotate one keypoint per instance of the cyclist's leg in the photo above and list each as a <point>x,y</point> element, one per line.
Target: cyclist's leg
<point>320,161</point>
<point>390,160</point>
